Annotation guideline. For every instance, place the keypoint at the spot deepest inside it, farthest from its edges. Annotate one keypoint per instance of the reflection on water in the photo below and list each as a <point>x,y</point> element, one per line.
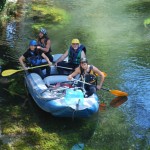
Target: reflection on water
<point>138,82</point>
<point>10,33</point>
<point>117,43</point>
<point>117,101</point>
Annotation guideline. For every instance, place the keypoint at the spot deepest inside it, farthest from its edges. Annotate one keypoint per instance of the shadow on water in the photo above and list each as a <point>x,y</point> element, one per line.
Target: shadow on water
<point>140,7</point>
<point>2,4</point>
<point>85,127</point>
<point>7,59</point>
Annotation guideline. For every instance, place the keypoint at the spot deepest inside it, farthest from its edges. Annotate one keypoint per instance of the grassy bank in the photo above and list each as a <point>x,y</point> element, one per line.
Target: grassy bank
<point>9,11</point>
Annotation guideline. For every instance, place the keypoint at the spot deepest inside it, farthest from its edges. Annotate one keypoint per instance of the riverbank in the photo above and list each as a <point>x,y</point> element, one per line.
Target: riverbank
<point>10,11</point>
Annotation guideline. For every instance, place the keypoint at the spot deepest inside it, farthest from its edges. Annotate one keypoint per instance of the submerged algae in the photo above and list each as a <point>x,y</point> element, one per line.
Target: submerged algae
<point>47,16</point>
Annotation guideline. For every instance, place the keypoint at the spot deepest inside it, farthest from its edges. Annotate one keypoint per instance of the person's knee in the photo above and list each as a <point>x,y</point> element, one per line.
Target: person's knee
<point>51,58</point>
<point>48,71</point>
<point>93,89</point>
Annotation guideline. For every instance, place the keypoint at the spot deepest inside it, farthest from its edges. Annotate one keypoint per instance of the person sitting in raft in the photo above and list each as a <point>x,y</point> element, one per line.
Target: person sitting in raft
<point>44,43</point>
<point>88,74</point>
<point>33,57</point>
<point>74,54</point>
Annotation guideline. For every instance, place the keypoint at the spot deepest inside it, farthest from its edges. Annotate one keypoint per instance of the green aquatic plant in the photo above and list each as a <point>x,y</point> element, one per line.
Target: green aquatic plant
<point>48,16</point>
<point>12,130</point>
<point>2,4</point>
<point>147,22</point>
<point>12,120</point>
<point>2,62</point>
<point>11,9</point>
<point>111,132</point>
<point>5,147</point>
<point>30,131</point>
<point>15,85</point>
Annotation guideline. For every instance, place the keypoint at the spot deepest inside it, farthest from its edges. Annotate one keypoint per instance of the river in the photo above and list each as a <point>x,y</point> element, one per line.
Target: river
<point>117,43</point>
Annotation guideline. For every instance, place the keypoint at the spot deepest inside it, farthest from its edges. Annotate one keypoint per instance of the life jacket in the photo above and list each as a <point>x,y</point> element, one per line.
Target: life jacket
<point>75,56</point>
<point>44,44</point>
<point>35,59</point>
<point>90,76</point>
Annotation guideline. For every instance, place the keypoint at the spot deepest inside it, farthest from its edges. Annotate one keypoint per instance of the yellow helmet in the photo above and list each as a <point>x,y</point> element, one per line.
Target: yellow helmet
<point>75,41</point>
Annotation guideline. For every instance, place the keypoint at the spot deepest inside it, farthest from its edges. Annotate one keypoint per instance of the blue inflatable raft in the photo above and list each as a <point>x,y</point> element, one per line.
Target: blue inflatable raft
<point>60,97</point>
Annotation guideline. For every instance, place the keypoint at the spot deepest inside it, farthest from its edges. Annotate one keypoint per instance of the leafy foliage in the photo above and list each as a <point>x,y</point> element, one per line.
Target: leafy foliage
<point>2,4</point>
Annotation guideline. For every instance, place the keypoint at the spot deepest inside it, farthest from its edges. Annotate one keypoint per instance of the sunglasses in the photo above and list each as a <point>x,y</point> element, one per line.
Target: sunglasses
<point>75,44</point>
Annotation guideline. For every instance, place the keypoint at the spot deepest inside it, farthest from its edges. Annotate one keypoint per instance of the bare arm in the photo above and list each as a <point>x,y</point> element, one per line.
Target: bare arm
<point>46,49</point>
<point>77,71</point>
<point>47,59</point>
<point>62,57</point>
<point>96,70</point>
<point>21,60</point>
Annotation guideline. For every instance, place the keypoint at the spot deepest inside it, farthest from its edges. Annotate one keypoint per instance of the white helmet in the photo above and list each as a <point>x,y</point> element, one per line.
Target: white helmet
<point>43,31</point>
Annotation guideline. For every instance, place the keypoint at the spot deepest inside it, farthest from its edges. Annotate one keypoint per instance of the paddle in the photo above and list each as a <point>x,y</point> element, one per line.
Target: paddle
<point>12,71</point>
<point>105,74</point>
<point>64,67</point>
<point>114,92</point>
<point>118,101</point>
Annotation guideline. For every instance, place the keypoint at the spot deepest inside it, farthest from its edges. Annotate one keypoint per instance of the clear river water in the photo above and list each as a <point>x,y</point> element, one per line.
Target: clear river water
<point>118,43</point>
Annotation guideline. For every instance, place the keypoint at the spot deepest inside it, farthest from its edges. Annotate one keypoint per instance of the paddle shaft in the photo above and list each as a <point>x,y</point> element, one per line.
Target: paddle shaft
<point>12,71</point>
<point>82,82</point>
<point>33,67</point>
<point>64,67</point>
<point>105,74</point>
<point>105,89</point>
<point>91,84</point>
<point>37,66</point>
<point>114,92</point>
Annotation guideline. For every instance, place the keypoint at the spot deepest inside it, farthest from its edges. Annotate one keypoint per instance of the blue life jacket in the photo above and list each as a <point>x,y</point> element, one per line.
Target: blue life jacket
<point>35,59</point>
<point>75,56</point>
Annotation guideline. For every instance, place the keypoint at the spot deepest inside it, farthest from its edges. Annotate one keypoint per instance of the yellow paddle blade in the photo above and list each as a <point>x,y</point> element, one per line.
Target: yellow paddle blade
<point>12,71</point>
<point>118,93</point>
<point>9,72</point>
